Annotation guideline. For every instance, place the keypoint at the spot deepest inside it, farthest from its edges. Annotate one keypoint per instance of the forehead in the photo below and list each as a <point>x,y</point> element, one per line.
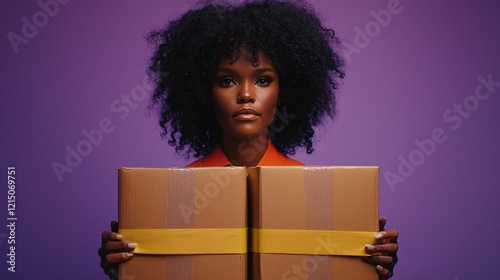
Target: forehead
<point>243,58</point>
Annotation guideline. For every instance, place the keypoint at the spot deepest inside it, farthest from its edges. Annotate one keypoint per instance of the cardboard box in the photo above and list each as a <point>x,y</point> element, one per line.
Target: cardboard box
<point>311,200</point>
<point>162,200</point>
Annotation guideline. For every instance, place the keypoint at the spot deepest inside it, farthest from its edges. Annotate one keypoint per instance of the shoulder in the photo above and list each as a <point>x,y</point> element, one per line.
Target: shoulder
<point>214,158</point>
<point>273,157</point>
<point>196,163</point>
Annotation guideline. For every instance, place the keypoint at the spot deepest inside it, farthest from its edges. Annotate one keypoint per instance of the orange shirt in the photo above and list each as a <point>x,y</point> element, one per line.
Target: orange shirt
<point>272,157</point>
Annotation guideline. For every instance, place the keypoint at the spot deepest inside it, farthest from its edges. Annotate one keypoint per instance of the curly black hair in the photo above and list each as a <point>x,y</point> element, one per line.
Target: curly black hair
<point>305,54</point>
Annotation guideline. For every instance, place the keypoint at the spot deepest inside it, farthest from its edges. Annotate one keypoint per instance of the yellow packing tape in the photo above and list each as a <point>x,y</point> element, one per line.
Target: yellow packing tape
<point>311,242</point>
<point>188,241</point>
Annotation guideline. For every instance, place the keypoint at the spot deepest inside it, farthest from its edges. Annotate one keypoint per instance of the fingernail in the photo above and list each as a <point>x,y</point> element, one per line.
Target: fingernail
<point>379,235</point>
<point>369,247</point>
<point>128,255</point>
<point>132,245</point>
<point>380,268</point>
<point>119,237</point>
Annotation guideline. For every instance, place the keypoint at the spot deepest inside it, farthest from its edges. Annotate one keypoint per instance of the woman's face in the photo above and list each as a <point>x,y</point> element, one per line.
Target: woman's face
<point>245,96</point>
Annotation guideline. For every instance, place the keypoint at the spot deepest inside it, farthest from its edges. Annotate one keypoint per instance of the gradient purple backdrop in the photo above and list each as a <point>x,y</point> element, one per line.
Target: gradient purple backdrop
<point>400,85</point>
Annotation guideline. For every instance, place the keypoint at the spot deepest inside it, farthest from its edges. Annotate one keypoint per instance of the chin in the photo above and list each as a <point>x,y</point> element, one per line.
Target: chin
<point>250,134</point>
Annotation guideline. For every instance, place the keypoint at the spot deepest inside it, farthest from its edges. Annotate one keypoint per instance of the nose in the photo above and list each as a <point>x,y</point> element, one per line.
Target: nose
<point>246,94</point>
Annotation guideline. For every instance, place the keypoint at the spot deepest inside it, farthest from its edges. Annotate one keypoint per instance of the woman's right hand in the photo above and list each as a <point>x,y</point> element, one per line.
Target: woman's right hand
<point>114,251</point>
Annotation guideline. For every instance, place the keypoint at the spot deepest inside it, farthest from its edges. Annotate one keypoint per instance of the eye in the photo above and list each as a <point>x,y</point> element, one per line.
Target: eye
<point>226,81</point>
<point>263,81</point>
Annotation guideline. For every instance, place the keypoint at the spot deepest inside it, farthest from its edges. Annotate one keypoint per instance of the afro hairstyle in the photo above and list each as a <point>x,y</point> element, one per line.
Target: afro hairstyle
<point>187,51</point>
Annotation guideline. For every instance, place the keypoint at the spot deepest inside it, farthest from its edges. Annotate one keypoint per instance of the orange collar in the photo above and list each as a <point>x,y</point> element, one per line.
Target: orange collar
<point>272,157</point>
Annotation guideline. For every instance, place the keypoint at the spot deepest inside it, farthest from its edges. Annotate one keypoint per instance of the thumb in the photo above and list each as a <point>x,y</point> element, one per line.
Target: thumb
<point>381,223</point>
<point>114,226</point>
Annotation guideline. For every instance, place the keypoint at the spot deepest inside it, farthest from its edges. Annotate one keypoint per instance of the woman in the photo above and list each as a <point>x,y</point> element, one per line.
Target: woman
<point>245,85</point>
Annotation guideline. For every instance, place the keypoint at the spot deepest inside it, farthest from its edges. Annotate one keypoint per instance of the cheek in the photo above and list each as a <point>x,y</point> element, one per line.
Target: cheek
<point>271,101</point>
<point>222,107</point>
<point>220,101</point>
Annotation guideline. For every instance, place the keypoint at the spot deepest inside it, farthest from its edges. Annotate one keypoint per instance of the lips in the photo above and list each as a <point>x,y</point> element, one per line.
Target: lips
<point>246,114</point>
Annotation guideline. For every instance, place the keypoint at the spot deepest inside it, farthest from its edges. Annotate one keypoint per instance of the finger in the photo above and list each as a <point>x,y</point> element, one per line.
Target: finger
<point>111,236</point>
<point>106,266</point>
<point>112,259</point>
<point>119,246</point>
<point>116,247</point>
<point>387,236</point>
<point>383,272</point>
<point>383,265</point>
<point>381,223</point>
<point>386,261</point>
<point>114,226</point>
<point>393,234</point>
<point>111,269</point>
<point>381,249</point>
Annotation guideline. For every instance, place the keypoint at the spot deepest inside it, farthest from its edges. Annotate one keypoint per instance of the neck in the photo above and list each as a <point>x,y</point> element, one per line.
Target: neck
<point>244,152</point>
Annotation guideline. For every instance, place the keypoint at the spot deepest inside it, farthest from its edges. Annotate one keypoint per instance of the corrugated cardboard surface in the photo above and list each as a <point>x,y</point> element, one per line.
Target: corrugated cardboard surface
<point>152,198</point>
<point>315,198</point>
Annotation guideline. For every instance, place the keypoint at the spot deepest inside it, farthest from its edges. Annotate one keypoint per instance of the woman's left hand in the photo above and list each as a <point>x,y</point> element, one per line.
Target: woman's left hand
<point>384,251</point>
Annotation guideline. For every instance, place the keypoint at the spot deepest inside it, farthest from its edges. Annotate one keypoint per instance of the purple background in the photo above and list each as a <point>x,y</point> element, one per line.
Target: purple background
<point>399,85</point>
